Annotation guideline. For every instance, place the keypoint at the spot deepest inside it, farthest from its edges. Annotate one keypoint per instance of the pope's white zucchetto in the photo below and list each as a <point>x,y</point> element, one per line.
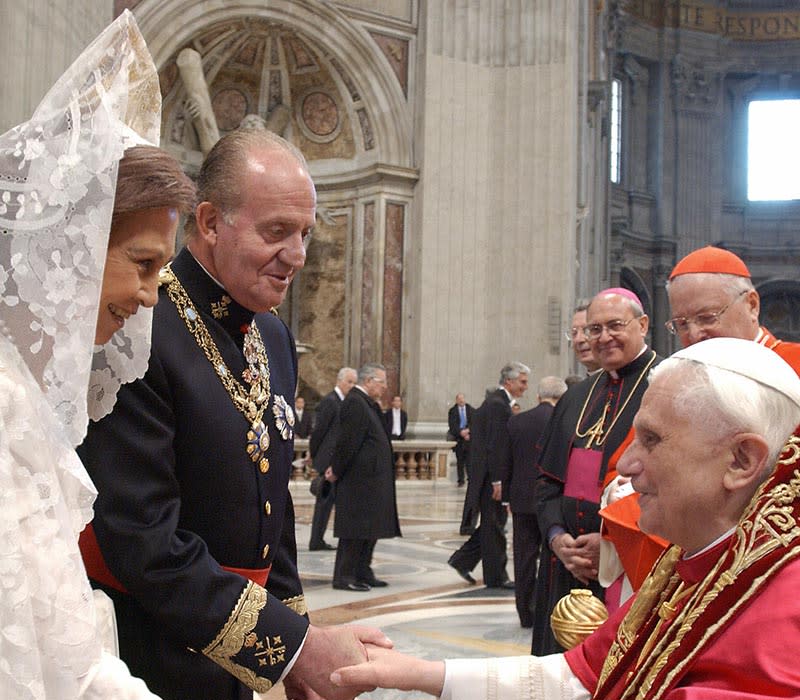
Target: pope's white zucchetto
<point>748,359</point>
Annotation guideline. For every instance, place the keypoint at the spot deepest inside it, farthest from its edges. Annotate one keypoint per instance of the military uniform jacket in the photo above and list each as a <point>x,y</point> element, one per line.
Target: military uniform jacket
<point>366,504</point>
<point>180,498</point>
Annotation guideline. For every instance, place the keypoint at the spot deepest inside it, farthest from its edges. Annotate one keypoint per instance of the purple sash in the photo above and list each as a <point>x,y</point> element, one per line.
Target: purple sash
<point>583,474</point>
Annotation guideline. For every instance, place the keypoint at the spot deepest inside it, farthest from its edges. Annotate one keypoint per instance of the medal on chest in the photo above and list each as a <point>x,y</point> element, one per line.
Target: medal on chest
<point>251,396</point>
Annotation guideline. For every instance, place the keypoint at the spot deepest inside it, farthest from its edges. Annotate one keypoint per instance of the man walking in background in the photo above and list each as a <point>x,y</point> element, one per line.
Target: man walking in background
<point>363,468</point>
<point>490,435</point>
<point>519,480</point>
<point>321,445</point>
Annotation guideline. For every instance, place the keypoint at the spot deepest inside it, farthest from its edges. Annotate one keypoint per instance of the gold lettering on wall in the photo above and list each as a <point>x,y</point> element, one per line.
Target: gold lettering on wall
<point>706,17</point>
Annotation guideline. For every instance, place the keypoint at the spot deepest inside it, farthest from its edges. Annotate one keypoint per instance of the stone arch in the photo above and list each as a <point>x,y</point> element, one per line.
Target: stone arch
<point>780,308</point>
<point>169,26</point>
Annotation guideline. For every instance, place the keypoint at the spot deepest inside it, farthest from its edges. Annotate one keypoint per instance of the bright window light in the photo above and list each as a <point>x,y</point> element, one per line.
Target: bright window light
<point>615,131</point>
<point>773,150</point>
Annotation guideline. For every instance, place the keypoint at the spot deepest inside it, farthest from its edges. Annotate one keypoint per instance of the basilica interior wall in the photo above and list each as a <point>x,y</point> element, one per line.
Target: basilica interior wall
<point>491,271</point>
<point>687,79</point>
<point>39,39</point>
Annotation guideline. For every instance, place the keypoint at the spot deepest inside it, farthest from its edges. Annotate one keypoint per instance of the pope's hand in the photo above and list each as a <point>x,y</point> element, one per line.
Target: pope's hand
<point>329,648</point>
<point>387,668</point>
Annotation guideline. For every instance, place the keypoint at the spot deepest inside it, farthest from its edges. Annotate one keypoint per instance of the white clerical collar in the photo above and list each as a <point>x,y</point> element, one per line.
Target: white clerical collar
<point>339,393</point>
<point>725,535</point>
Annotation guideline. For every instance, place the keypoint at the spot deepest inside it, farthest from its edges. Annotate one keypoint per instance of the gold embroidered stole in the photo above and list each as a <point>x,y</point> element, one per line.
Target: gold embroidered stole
<point>652,652</point>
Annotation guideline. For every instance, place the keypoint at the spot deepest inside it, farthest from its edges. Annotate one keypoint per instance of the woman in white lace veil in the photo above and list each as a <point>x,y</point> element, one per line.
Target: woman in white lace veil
<point>76,265</point>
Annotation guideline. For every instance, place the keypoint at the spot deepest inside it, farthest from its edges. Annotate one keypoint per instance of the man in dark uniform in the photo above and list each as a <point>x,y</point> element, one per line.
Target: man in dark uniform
<point>459,419</point>
<point>519,479</point>
<point>366,503</point>
<point>321,445</point>
<point>193,535</point>
<point>489,457</point>
<point>588,424</point>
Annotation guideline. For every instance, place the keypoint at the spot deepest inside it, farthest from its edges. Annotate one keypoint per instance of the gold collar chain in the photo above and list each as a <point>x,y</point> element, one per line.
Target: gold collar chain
<point>250,402</point>
<point>596,431</point>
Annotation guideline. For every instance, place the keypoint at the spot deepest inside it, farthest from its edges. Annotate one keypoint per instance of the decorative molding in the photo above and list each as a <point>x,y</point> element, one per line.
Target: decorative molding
<point>696,88</point>
<point>396,51</point>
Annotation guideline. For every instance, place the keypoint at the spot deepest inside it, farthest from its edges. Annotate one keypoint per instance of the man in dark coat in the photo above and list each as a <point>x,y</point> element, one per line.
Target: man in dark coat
<point>519,479</point>
<point>322,445</point>
<point>302,418</point>
<point>459,420</point>
<point>193,536</point>
<point>589,424</point>
<point>489,457</point>
<point>363,467</point>
<point>396,419</point>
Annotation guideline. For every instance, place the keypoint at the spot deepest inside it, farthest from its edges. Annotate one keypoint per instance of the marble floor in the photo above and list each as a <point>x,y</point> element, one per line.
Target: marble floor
<point>427,609</point>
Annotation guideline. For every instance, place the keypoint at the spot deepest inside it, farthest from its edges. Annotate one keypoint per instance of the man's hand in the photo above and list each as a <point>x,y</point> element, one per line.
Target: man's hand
<point>579,555</point>
<point>325,650</point>
<point>329,475</point>
<point>390,669</point>
<point>465,433</point>
<point>497,492</point>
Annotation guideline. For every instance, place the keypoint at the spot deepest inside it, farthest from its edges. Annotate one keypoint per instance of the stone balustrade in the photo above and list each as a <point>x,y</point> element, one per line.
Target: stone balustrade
<point>414,460</point>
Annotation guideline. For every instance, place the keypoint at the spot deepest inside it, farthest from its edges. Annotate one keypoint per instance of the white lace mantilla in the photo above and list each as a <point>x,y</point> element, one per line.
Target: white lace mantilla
<point>57,179</point>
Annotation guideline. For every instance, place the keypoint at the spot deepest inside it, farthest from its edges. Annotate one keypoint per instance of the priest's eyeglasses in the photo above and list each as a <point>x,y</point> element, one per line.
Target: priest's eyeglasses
<point>574,334</point>
<point>702,321</point>
<point>594,330</point>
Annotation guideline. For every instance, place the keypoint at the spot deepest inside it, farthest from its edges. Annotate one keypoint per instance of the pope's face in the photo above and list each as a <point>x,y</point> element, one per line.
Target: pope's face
<point>696,294</point>
<point>258,247</point>
<point>140,244</point>
<point>677,469</point>
<point>615,350</point>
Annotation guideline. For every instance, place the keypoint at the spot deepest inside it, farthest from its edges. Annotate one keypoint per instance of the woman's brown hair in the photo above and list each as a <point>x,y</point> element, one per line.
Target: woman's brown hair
<point>150,178</point>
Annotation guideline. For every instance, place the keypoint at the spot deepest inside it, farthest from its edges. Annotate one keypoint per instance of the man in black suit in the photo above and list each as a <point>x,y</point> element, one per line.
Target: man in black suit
<point>489,456</point>
<point>321,446</point>
<point>519,481</point>
<point>363,468</point>
<point>396,419</point>
<point>302,418</point>
<point>459,419</point>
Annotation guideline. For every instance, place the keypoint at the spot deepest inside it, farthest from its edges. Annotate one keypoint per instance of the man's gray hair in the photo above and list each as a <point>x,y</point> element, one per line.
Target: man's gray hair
<point>551,387</point>
<point>731,284</point>
<point>369,371</point>
<point>512,370</point>
<point>581,305</point>
<point>220,177</point>
<point>343,372</point>
<point>726,402</point>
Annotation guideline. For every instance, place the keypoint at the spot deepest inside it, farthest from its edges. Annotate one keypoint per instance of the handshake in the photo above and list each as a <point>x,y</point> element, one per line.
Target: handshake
<point>363,659</point>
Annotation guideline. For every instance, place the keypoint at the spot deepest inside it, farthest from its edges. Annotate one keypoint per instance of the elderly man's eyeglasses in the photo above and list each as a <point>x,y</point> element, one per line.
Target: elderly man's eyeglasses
<point>702,321</point>
<point>574,334</point>
<point>594,330</point>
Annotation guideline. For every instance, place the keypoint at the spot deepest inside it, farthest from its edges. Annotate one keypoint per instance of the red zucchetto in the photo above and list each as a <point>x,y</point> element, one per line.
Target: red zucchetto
<point>711,259</point>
